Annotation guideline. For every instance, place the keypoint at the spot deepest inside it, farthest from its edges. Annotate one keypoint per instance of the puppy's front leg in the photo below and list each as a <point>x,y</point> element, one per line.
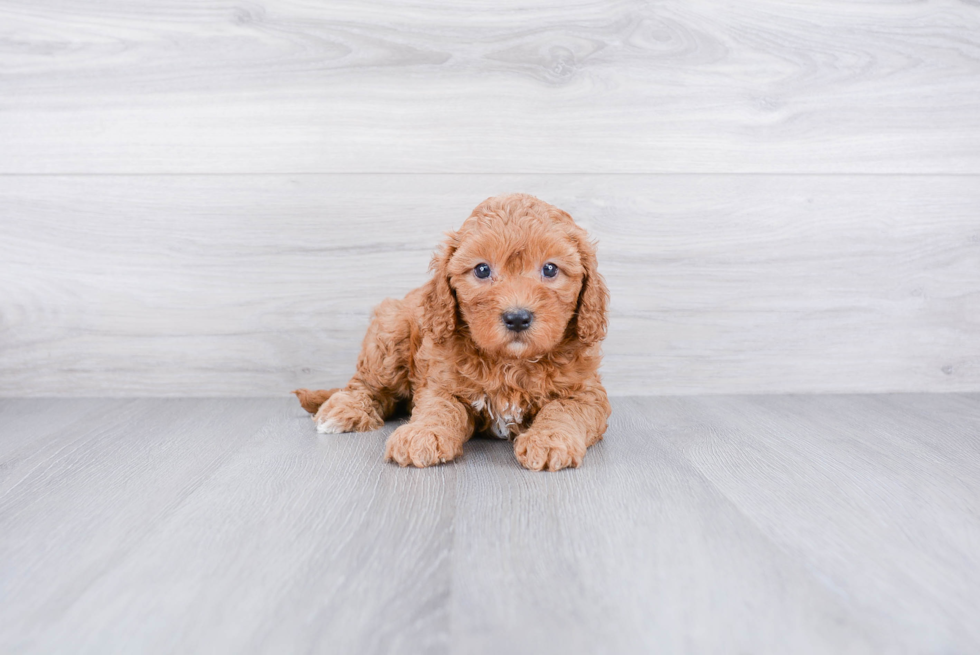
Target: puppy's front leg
<point>439,427</point>
<point>562,430</point>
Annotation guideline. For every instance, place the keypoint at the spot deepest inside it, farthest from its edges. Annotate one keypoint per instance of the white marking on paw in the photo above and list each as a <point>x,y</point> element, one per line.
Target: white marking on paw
<point>500,428</point>
<point>506,422</point>
<point>329,426</point>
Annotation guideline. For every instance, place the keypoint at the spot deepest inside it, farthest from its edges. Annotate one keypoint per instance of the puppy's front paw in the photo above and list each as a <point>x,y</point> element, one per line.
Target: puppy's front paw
<point>421,446</point>
<point>348,412</point>
<point>554,450</point>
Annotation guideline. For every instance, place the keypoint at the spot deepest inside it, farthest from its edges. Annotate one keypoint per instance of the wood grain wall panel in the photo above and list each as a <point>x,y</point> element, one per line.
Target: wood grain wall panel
<point>288,86</point>
<point>256,284</point>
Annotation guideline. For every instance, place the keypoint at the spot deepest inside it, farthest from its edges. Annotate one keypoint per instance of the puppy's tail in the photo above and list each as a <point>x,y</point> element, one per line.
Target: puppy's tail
<point>311,400</point>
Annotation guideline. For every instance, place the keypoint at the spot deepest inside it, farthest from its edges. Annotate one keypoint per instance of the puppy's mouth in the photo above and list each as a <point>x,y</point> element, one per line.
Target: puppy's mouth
<point>518,343</point>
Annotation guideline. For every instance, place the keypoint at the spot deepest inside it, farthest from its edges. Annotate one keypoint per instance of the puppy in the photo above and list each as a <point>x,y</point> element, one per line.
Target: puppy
<point>504,338</point>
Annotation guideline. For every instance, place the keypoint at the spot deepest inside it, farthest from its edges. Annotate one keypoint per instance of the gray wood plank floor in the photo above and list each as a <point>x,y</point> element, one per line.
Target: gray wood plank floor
<point>763,524</point>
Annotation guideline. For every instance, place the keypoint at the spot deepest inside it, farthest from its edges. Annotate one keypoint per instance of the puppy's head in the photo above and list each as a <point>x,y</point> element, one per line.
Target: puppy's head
<point>520,278</point>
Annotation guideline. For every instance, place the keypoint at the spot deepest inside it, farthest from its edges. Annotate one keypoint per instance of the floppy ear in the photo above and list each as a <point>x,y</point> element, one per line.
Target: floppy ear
<point>439,299</point>
<point>590,317</point>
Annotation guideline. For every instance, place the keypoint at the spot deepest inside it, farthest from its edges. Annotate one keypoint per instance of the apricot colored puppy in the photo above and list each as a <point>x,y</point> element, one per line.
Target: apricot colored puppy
<point>504,338</point>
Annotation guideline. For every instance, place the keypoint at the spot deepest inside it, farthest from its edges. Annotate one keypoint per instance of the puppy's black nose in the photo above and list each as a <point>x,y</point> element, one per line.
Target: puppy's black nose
<point>518,320</point>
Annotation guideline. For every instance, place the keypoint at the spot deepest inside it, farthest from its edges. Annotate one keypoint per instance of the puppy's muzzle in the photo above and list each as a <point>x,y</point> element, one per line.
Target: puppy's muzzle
<point>517,320</point>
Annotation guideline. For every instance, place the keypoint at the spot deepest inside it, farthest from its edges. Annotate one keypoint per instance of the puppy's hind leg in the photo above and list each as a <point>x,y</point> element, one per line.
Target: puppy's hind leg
<point>353,409</point>
<point>381,379</point>
<point>311,400</point>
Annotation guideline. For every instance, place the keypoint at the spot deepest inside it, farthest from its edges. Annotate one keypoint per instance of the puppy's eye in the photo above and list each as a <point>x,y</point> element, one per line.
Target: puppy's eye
<point>549,270</point>
<point>482,271</point>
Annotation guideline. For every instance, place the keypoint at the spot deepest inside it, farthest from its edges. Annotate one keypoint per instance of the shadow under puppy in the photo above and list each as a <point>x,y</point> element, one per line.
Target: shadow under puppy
<point>504,338</point>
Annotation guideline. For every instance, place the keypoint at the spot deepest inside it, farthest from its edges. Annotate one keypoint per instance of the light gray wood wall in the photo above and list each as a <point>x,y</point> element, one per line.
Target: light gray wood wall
<point>206,198</point>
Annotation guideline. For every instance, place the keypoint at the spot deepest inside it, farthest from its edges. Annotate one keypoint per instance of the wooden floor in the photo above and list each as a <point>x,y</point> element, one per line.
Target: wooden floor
<point>766,524</point>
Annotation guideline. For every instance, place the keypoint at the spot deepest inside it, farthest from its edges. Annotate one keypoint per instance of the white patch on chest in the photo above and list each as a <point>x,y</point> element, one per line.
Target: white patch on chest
<point>504,421</point>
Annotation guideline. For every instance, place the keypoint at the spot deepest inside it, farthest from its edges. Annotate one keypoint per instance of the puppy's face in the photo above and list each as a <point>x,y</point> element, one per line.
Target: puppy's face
<point>517,281</point>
